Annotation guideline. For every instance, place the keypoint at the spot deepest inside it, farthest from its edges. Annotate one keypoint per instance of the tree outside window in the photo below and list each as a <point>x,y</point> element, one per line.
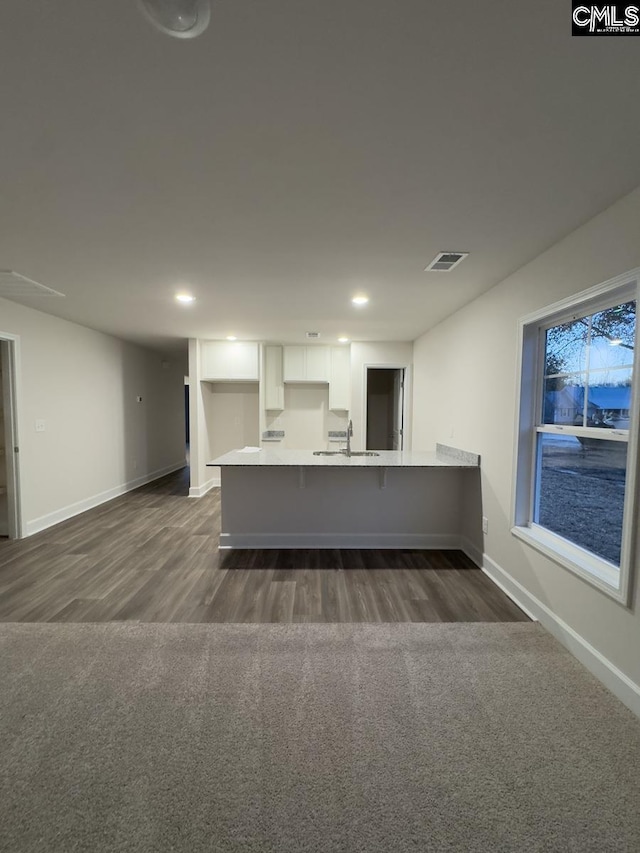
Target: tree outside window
<point>582,434</point>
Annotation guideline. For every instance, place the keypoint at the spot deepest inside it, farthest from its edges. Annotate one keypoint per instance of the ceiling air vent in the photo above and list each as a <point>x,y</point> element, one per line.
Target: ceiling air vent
<point>313,335</point>
<point>14,286</point>
<point>446,261</point>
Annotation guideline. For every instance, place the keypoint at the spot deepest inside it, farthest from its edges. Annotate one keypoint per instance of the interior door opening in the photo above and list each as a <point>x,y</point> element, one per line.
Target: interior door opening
<point>187,425</point>
<point>9,503</point>
<point>385,408</point>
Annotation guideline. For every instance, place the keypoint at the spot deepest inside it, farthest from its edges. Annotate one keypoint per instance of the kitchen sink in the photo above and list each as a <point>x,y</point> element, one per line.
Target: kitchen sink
<point>364,453</point>
<point>327,453</point>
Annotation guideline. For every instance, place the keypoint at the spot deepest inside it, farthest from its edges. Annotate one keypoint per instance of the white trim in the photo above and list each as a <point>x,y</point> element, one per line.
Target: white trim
<point>407,437</point>
<point>517,600</point>
<point>613,678</point>
<point>14,461</point>
<point>585,297</point>
<point>45,521</point>
<point>200,491</point>
<point>528,407</point>
<point>473,553</point>
<point>340,540</point>
<point>584,432</point>
<point>586,564</point>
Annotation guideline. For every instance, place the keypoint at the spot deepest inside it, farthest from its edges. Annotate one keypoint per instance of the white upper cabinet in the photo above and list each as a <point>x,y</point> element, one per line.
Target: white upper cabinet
<point>318,366</point>
<point>306,364</point>
<point>273,382</point>
<point>236,361</point>
<point>340,379</point>
<point>295,364</point>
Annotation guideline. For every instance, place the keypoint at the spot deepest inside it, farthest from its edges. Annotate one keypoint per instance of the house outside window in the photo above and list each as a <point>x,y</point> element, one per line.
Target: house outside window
<point>576,444</point>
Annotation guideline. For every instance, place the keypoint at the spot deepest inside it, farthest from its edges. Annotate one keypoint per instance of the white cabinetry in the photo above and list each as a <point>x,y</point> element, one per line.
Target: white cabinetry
<point>306,364</point>
<point>273,382</point>
<point>234,361</point>
<point>340,379</point>
<point>295,364</point>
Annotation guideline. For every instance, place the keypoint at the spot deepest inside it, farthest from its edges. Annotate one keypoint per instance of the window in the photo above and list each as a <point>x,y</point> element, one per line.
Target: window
<point>576,446</point>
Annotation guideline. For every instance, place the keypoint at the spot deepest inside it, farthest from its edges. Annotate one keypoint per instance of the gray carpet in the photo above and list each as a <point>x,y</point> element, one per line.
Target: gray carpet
<point>448,737</point>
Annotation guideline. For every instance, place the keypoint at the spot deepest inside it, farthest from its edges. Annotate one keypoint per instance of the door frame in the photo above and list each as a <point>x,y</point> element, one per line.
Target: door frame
<point>11,395</point>
<point>406,407</point>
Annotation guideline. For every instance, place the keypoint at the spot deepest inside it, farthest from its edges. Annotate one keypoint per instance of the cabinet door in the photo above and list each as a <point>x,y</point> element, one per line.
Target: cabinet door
<point>340,379</point>
<point>317,364</point>
<point>273,383</point>
<point>230,360</point>
<point>294,364</point>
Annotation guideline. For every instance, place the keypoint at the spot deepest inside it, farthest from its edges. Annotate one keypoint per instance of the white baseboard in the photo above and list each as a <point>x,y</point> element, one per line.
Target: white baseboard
<point>45,521</point>
<point>473,553</point>
<point>618,683</point>
<point>338,540</point>
<point>199,491</point>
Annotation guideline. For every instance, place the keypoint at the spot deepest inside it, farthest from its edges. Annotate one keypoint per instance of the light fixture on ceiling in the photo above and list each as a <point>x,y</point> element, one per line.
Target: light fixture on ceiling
<point>343,340</point>
<point>360,300</point>
<point>231,338</point>
<point>185,298</point>
<point>183,19</point>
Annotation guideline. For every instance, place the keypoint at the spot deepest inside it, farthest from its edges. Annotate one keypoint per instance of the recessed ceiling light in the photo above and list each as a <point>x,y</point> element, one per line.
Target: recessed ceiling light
<point>360,300</point>
<point>185,297</point>
<point>343,340</point>
<point>183,19</point>
<point>231,338</point>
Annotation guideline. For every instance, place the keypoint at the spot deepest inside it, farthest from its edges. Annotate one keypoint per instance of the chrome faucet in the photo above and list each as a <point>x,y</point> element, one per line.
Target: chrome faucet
<point>347,450</point>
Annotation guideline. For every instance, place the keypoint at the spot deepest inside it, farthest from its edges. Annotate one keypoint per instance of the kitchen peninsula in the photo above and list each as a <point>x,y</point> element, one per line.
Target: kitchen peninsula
<point>394,499</point>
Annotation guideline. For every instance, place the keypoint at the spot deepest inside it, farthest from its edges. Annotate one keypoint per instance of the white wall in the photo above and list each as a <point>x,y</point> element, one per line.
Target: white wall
<point>468,399</point>
<point>305,416</point>
<point>231,411</point>
<point>382,354</point>
<point>98,440</point>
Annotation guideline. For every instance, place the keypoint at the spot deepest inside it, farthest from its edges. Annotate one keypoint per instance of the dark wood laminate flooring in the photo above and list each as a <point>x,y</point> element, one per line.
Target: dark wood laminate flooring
<point>152,556</point>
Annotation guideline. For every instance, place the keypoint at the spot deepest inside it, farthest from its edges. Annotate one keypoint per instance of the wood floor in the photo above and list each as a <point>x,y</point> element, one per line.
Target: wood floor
<point>152,556</point>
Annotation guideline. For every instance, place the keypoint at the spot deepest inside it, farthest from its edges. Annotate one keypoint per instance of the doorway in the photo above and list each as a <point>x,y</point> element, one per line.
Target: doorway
<point>9,490</point>
<point>187,426</point>
<point>385,408</point>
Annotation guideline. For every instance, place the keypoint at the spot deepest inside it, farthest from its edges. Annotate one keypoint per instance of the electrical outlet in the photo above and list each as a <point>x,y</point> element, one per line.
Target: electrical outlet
<point>485,524</point>
<point>40,426</point>
<point>138,399</point>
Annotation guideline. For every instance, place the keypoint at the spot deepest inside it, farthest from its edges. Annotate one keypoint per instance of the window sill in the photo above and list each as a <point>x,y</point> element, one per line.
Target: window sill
<point>599,573</point>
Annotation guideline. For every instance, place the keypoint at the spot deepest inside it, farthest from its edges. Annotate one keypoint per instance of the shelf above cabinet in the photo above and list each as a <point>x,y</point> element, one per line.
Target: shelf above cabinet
<point>230,361</point>
<point>306,364</point>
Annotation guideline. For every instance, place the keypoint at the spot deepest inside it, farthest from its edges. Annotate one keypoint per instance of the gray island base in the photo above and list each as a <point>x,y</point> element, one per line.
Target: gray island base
<point>293,499</point>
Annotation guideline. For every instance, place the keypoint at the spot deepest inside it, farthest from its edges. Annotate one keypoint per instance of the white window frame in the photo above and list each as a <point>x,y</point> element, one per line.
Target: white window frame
<point>595,570</point>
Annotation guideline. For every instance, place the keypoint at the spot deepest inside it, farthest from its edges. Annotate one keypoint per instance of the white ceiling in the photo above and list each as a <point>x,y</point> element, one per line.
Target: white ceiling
<point>298,152</point>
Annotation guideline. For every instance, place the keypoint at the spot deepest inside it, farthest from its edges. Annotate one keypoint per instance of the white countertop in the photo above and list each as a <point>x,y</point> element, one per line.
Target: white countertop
<point>268,457</point>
